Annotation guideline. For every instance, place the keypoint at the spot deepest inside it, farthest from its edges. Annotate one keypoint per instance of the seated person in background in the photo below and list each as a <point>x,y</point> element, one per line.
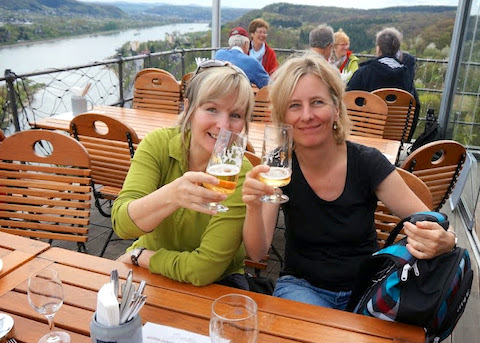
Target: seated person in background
<point>259,49</point>
<point>162,199</point>
<point>386,71</point>
<point>321,40</point>
<point>238,54</point>
<point>334,189</point>
<point>344,60</point>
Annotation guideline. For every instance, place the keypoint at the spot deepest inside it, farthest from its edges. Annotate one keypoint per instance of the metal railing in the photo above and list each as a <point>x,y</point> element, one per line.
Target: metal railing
<point>28,97</point>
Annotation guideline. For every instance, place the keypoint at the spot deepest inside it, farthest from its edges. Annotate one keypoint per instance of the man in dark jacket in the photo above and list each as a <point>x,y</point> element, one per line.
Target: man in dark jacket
<point>386,71</point>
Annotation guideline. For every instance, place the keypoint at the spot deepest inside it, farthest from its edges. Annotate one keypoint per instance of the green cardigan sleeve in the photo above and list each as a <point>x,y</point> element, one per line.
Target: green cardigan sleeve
<point>190,246</point>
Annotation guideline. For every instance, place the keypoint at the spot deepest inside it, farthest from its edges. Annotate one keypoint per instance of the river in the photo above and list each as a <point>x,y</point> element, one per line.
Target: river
<point>59,53</point>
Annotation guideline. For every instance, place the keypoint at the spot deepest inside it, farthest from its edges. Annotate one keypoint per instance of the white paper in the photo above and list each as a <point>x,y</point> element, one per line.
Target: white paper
<point>108,312</point>
<point>156,333</point>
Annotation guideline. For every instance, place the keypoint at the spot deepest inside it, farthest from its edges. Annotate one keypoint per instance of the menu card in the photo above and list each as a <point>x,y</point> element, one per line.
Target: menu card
<point>156,333</point>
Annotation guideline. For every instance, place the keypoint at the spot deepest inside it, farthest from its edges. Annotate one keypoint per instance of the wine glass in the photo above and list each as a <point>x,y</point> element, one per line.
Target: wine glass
<point>234,319</point>
<point>225,164</point>
<point>277,153</point>
<point>45,295</point>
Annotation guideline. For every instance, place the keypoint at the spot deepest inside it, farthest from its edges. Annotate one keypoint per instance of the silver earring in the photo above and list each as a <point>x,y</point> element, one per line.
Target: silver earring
<point>335,126</point>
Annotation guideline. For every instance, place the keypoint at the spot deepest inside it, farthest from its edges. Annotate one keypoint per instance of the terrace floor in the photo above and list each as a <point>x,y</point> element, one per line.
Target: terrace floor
<point>467,330</point>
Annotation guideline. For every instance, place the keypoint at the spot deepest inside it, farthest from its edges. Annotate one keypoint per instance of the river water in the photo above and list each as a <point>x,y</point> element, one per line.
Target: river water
<point>75,51</point>
<point>54,94</point>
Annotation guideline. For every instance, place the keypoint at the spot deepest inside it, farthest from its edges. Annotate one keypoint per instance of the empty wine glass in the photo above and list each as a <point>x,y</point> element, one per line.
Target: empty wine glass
<point>225,164</point>
<point>277,153</point>
<point>45,295</point>
<point>234,319</point>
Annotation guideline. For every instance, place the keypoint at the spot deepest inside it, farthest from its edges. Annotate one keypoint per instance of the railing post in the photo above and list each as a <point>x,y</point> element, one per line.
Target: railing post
<point>10,77</point>
<point>183,62</point>
<point>120,78</point>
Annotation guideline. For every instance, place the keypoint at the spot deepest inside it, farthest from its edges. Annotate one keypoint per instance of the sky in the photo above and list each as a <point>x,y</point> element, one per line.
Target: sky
<point>363,4</point>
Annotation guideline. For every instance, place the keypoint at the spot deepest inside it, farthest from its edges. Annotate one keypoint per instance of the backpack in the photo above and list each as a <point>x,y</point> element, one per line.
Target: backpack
<point>429,134</point>
<point>393,285</point>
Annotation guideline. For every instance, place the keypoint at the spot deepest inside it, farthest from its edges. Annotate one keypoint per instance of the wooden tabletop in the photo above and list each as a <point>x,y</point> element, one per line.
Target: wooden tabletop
<point>16,251</point>
<point>143,121</point>
<point>185,307</point>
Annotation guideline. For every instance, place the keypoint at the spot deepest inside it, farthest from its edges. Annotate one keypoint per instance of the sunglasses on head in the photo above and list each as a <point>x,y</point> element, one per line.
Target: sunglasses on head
<point>218,63</point>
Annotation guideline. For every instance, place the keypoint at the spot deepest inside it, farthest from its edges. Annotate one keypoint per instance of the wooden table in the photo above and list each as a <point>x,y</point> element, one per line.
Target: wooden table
<point>15,252</point>
<point>143,121</point>
<point>186,307</point>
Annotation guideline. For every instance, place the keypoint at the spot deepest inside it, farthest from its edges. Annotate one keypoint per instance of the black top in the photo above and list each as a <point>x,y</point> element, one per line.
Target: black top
<point>381,72</point>
<point>327,240</point>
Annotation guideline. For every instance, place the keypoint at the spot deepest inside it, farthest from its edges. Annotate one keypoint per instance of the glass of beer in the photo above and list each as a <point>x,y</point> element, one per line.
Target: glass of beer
<point>277,153</point>
<point>225,164</point>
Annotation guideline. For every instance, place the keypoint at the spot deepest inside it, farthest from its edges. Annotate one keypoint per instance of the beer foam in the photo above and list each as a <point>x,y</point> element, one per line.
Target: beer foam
<point>223,170</point>
<point>277,173</point>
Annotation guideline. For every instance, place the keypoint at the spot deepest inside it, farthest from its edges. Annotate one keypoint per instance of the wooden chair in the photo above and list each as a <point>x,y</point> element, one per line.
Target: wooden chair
<point>184,82</point>
<point>401,108</point>
<point>111,145</point>
<point>438,164</point>
<point>157,90</point>
<point>385,220</point>
<point>261,109</point>
<point>367,112</point>
<point>45,187</point>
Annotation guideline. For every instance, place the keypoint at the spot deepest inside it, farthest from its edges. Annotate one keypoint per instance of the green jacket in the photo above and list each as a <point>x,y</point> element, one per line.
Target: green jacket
<point>191,247</point>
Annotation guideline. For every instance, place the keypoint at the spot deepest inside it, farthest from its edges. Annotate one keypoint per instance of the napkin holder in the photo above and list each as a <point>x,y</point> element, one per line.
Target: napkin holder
<point>129,332</point>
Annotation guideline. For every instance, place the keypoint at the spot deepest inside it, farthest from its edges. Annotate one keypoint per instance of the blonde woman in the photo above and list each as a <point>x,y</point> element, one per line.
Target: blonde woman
<point>333,192</point>
<point>162,199</point>
<point>344,59</point>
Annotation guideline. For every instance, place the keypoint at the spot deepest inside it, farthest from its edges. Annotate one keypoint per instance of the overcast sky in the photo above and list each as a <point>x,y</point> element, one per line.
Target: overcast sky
<point>364,4</point>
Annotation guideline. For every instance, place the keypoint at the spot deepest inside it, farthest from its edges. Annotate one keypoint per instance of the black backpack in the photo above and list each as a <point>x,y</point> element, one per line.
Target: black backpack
<point>395,286</point>
<point>429,134</point>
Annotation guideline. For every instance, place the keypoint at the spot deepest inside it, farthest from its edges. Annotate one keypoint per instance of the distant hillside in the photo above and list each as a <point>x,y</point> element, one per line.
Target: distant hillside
<point>61,8</point>
<point>290,24</point>
<point>197,13</point>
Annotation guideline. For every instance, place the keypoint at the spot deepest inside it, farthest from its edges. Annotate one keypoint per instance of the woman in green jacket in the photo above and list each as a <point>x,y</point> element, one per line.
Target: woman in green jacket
<point>344,59</point>
<point>162,200</point>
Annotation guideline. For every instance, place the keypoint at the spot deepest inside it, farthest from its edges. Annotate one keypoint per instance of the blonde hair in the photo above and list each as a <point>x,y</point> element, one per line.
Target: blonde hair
<point>285,79</point>
<point>215,83</point>
<point>341,36</point>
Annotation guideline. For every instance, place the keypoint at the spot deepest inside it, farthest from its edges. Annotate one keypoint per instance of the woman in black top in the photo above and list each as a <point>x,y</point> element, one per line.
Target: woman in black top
<point>333,192</point>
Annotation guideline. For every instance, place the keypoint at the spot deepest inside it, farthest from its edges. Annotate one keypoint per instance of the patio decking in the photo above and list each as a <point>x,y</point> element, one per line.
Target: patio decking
<point>467,330</point>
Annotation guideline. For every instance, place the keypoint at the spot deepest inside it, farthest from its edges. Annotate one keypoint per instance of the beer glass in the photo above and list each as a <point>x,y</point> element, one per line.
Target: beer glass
<point>225,164</point>
<point>234,319</point>
<point>277,153</point>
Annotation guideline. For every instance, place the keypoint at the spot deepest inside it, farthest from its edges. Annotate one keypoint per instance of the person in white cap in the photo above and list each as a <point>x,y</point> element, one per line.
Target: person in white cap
<point>238,55</point>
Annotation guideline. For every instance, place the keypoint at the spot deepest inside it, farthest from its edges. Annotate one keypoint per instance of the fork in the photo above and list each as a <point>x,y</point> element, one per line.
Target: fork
<point>11,340</point>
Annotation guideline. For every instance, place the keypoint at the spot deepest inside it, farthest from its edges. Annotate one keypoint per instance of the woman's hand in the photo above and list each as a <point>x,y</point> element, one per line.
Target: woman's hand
<point>253,188</point>
<point>188,191</point>
<point>428,239</point>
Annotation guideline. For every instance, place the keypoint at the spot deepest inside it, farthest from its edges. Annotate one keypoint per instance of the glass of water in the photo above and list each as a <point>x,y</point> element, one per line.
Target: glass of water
<point>234,319</point>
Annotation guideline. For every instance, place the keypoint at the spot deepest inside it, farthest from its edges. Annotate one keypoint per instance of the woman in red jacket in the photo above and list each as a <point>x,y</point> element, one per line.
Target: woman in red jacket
<point>259,49</point>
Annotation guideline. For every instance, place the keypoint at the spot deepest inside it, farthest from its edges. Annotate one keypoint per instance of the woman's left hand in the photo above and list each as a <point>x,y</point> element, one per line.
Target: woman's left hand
<point>428,239</point>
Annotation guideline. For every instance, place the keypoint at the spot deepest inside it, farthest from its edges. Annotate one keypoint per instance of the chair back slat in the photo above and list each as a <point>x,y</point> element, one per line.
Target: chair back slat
<point>157,90</point>
<point>438,164</point>
<point>367,113</point>
<point>45,187</point>
<point>261,110</point>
